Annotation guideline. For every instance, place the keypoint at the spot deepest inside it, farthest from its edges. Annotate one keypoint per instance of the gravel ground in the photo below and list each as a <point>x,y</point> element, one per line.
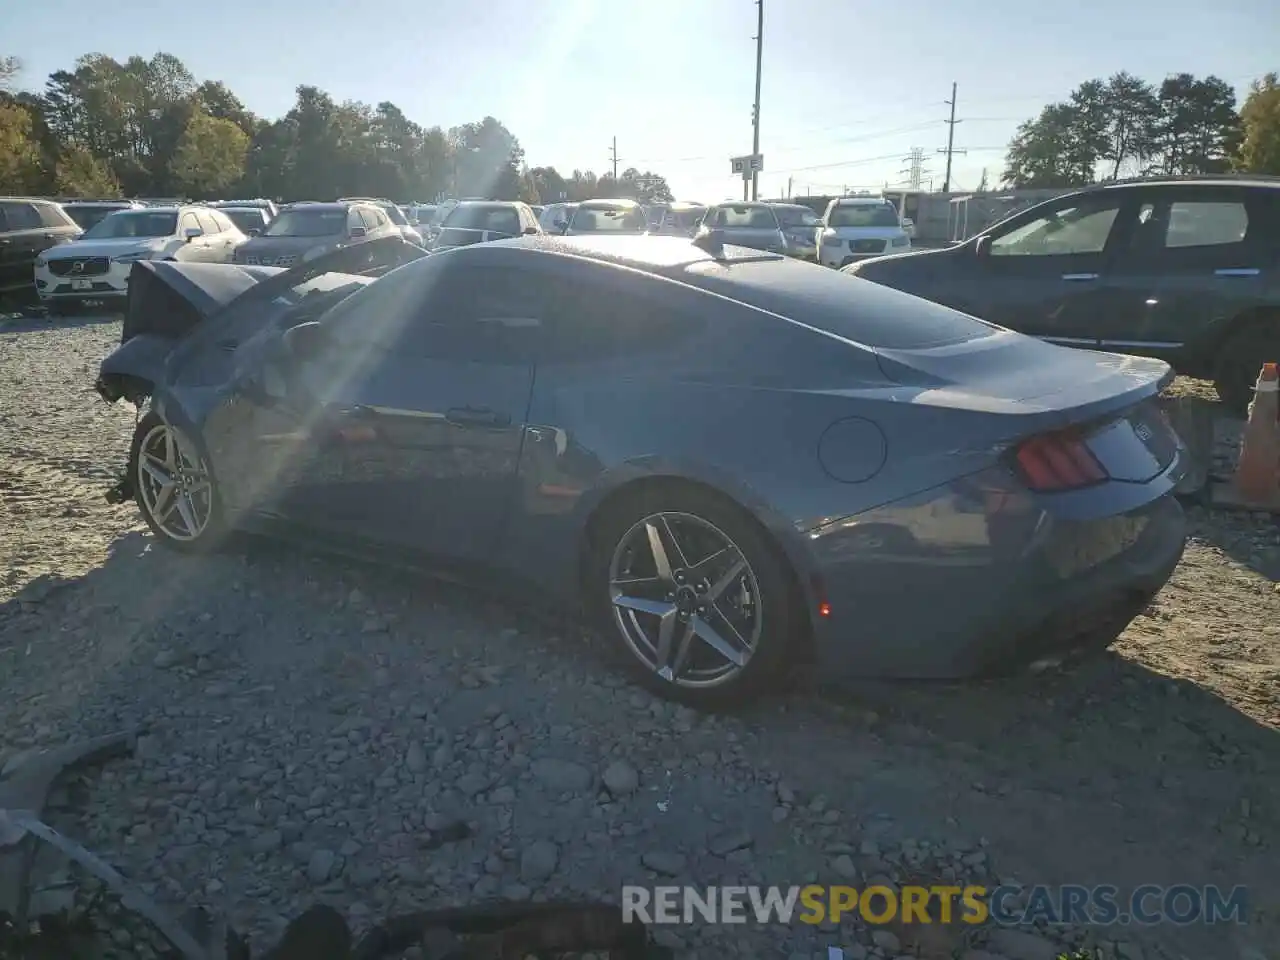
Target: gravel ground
<point>319,729</point>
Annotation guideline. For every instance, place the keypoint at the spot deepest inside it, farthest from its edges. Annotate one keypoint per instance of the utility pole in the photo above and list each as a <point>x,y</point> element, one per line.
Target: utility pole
<point>755,113</point>
<point>951,150</point>
<point>613,154</point>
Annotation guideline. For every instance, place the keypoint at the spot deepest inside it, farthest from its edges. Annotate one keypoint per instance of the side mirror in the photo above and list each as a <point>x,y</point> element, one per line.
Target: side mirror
<point>191,233</point>
<point>529,231</point>
<point>306,340</point>
<point>357,233</point>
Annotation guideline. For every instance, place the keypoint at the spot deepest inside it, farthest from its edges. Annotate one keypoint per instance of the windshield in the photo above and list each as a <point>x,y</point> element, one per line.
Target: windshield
<point>500,219</point>
<point>124,223</point>
<point>245,219</point>
<point>395,213</point>
<point>864,215</point>
<point>797,217</point>
<point>744,217</point>
<point>619,219</point>
<point>308,223</point>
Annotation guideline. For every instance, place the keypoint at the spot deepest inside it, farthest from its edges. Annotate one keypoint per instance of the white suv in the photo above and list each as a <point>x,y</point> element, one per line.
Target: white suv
<point>859,227</point>
<point>97,265</point>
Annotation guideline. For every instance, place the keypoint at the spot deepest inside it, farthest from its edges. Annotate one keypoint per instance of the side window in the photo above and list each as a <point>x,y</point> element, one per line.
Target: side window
<point>53,216</point>
<point>22,216</point>
<point>1067,231</point>
<point>599,320</point>
<point>481,314</point>
<point>207,223</point>
<point>4,217</point>
<point>224,224</point>
<point>189,222</point>
<point>1197,223</point>
<point>354,220</point>
<point>369,217</point>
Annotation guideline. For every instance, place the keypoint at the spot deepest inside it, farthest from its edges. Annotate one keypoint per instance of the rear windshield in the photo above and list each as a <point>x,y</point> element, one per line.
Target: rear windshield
<point>743,217</point>
<point>797,217</point>
<point>619,219</point>
<point>245,218</point>
<point>864,215</point>
<point>858,310</point>
<point>308,223</point>
<point>501,219</point>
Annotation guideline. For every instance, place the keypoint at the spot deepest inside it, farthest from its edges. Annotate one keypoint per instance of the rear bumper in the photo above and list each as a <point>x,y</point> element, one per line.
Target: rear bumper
<point>1017,590</point>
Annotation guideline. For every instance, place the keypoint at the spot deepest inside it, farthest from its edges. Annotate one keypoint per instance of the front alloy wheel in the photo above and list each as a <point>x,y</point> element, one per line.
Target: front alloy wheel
<point>698,597</point>
<point>173,485</point>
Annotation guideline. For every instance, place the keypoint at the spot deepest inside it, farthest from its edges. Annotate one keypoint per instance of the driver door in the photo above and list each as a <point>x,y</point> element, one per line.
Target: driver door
<point>1045,274</point>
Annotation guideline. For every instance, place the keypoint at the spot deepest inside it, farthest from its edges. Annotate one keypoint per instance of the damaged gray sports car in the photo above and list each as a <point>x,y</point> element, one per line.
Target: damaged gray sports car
<point>731,460</point>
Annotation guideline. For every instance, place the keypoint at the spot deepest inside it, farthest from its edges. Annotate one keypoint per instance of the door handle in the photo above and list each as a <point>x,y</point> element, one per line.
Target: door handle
<point>1079,276</point>
<point>1237,272</point>
<point>476,417</point>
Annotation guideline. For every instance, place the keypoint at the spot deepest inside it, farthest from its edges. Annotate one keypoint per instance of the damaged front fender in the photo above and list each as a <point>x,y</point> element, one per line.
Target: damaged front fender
<point>132,371</point>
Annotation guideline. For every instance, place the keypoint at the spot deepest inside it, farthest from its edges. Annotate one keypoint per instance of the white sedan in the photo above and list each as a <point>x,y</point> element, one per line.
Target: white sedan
<point>97,265</point>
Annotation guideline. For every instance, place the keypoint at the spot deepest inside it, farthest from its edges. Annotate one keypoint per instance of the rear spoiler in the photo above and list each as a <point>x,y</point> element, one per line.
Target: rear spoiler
<point>170,299</point>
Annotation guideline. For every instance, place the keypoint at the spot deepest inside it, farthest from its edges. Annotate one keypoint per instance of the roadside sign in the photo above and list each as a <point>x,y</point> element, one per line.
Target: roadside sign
<point>746,166</point>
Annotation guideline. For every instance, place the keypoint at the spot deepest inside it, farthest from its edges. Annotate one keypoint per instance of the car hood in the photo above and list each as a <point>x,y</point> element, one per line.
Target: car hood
<point>463,236</point>
<point>284,246</point>
<point>168,299</point>
<point>908,268</point>
<point>116,247</point>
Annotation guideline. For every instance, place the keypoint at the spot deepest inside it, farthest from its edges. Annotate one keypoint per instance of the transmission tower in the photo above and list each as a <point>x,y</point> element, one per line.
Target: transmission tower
<point>915,171</point>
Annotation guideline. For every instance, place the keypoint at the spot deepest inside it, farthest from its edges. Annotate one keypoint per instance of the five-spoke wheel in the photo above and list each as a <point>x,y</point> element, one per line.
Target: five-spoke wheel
<point>696,593</point>
<point>173,485</point>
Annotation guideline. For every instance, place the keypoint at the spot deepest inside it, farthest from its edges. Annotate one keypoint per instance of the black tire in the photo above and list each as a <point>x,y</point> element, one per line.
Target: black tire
<point>60,308</point>
<point>779,606</point>
<point>212,533</point>
<point>1235,371</point>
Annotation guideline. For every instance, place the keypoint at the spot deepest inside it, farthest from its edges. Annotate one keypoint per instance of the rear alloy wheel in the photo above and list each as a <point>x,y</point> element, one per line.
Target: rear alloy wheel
<point>173,486</point>
<point>1240,360</point>
<point>698,597</point>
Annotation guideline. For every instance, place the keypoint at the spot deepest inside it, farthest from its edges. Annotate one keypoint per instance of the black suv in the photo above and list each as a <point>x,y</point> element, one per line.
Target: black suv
<point>1184,269</point>
<point>27,228</point>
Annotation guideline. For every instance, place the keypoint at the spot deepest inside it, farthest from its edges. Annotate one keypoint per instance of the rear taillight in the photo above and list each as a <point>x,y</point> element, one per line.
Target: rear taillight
<point>1055,462</point>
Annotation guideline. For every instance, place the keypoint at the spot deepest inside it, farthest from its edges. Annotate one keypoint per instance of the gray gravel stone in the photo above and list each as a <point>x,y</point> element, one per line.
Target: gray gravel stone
<point>538,860</point>
<point>620,778</point>
<point>666,863</point>
<point>320,865</point>
<point>563,776</point>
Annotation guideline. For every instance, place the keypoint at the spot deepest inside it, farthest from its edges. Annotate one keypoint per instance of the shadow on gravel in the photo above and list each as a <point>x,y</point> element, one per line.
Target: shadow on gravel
<point>36,323</point>
<point>1121,775</point>
<point>1250,539</point>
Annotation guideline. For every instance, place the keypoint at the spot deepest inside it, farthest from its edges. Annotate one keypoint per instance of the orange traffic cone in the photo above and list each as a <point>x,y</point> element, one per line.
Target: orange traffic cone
<point>1256,479</point>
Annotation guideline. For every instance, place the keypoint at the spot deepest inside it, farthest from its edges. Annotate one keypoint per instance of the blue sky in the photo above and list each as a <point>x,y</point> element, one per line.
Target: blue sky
<point>849,87</point>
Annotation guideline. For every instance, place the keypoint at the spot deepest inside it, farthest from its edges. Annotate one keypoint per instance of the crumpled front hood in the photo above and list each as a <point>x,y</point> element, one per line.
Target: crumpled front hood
<point>171,299</point>
<point>116,247</point>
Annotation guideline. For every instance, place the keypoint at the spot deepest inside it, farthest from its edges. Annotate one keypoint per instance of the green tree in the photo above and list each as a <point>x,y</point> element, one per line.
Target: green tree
<point>1048,151</point>
<point>1260,128</point>
<point>81,174</point>
<point>1130,112</point>
<point>1197,129</point>
<point>20,168</point>
<point>210,156</point>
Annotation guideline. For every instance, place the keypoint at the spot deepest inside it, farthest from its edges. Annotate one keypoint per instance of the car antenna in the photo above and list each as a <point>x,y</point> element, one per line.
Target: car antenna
<point>710,240</point>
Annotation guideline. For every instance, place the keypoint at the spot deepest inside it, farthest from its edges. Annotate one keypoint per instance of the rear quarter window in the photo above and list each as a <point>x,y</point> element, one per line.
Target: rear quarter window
<point>837,303</point>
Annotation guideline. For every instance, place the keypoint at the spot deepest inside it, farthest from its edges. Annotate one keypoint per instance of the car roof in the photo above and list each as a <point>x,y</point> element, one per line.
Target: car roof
<point>742,203</point>
<point>102,203</point>
<point>861,201</point>
<point>663,256</point>
<point>606,201</point>
<point>328,204</point>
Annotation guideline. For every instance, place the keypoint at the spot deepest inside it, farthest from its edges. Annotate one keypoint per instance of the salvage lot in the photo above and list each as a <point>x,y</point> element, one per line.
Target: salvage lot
<point>313,720</point>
